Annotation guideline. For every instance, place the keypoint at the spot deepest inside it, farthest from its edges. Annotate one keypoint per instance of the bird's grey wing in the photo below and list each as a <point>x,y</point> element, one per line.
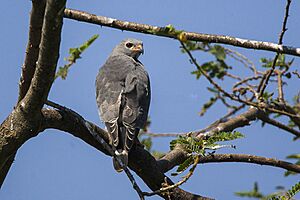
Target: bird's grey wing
<point>109,88</point>
<point>137,99</point>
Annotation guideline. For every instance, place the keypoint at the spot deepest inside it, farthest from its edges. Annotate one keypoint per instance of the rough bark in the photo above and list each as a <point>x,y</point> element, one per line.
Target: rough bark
<point>25,120</point>
<point>32,50</point>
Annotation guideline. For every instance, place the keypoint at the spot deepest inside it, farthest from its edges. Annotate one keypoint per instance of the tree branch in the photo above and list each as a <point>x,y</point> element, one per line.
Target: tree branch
<point>140,160</point>
<point>178,155</point>
<point>32,50</point>
<point>280,39</point>
<point>260,105</point>
<point>160,31</point>
<point>23,122</point>
<point>250,159</point>
<point>183,180</point>
<point>4,170</point>
<point>82,129</point>
<point>48,56</point>
<point>265,118</point>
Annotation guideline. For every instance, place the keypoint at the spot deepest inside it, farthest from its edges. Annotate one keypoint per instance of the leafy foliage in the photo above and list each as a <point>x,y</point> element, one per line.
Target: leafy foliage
<point>279,195</point>
<point>170,30</point>
<point>293,191</point>
<point>216,68</point>
<point>224,136</point>
<point>207,105</point>
<point>293,156</point>
<point>254,193</point>
<point>198,147</point>
<point>147,142</point>
<point>75,54</point>
<point>183,166</point>
<point>267,96</point>
<point>281,62</point>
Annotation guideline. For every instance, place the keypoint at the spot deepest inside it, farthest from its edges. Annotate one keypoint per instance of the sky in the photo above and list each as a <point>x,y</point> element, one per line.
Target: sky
<point>55,165</point>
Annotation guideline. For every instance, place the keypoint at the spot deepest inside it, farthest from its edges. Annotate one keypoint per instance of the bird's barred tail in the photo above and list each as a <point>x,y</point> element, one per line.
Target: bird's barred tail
<point>120,157</point>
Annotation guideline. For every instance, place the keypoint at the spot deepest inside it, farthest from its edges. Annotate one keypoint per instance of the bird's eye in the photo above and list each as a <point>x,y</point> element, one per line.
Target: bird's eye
<point>129,45</point>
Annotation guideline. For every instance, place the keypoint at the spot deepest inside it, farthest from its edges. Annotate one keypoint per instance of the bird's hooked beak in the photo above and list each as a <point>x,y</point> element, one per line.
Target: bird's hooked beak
<point>139,48</point>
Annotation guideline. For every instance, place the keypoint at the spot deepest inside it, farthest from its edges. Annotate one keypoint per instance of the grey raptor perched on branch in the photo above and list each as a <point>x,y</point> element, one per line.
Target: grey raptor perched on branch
<point>123,97</point>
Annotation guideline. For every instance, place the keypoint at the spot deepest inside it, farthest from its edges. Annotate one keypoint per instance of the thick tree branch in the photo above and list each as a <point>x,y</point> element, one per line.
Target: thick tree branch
<point>4,170</point>
<point>250,159</point>
<point>32,50</point>
<point>90,136</point>
<point>64,121</point>
<point>48,56</point>
<point>140,160</point>
<point>161,31</point>
<point>24,121</point>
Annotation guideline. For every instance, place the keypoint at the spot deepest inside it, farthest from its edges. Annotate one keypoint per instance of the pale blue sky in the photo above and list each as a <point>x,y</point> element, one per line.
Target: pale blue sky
<point>57,166</point>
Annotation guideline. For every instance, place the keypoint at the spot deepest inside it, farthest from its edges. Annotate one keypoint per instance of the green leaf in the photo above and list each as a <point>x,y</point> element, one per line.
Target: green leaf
<point>207,105</point>
<point>219,52</point>
<point>267,96</point>
<point>254,193</point>
<point>183,166</point>
<point>62,72</point>
<point>147,142</point>
<point>294,190</point>
<point>189,144</point>
<point>288,173</point>
<point>293,156</point>
<point>280,62</point>
<point>224,136</point>
<point>157,154</point>
<point>213,90</point>
<point>88,43</point>
<point>74,54</point>
<point>197,73</point>
<point>288,75</point>
<point>170,28</point>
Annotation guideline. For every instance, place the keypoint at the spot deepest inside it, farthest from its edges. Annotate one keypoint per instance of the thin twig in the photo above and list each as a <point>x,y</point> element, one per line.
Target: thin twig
<point>279,86</point>
<point>283,30</point>
<point>218,87</point>
<point>246,80</point>
<point>296,73</point>
<point>241,58</point>
<point>184,179</point>
<point>133,182</point>
<point>265,118</point>
<point>197,132</point>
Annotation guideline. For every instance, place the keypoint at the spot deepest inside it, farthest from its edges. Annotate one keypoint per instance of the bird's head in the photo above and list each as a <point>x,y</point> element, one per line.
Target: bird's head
<point>130,47</point>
